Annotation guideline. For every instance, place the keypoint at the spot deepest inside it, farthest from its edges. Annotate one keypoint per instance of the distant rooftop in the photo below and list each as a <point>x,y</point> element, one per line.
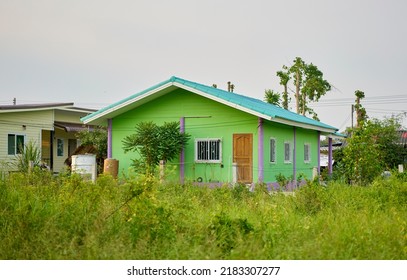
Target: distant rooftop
<point>42,106</point>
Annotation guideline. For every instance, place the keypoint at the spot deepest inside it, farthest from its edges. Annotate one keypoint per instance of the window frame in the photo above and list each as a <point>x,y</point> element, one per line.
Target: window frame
<point>16,149</point>
<point>308,149</point>
<point>290,153</point>
<point>271,150</point>
<point>60,144</point>
<point>208,141</point>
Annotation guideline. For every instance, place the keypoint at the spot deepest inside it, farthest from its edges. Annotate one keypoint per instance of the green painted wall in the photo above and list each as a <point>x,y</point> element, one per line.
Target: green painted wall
<point>205,118</point>
<point>283,133</point>
<point>303,137</point>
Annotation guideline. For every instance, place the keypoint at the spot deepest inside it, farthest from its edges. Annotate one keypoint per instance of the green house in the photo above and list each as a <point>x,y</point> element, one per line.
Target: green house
<point>234,138</point>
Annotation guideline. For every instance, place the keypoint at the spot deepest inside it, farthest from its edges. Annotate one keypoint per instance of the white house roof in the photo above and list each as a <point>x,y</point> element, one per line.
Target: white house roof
<point>43,106</point>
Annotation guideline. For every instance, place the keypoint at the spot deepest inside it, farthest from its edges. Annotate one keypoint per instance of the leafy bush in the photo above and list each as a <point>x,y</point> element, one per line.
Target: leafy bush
<point>154,143</point>
<point>371,149</point>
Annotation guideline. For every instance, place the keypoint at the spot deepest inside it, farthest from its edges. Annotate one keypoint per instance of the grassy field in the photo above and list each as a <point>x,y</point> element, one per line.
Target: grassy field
<point>46,217</point>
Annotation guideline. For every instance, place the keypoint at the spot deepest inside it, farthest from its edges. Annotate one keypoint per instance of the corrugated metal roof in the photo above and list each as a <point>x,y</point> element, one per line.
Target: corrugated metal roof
<point>242,102</point>
<point>73,127</point>
<point>43,106</point>
<point>34,106</point>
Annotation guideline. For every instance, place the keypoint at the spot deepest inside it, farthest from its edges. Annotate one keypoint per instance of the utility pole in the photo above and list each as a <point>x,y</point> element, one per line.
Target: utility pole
<point>352,110</point>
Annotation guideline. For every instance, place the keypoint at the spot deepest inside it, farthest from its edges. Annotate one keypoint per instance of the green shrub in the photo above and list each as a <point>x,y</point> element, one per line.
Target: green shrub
<point>311,198</point>
<point>229,232</point>
<point>29,157</point>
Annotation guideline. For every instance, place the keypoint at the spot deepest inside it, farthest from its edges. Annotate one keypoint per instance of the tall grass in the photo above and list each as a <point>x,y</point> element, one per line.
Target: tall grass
<point>46,217</point>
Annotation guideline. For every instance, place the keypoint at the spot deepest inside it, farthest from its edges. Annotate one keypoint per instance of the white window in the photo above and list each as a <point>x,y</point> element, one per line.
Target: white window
<point>15,144</point>
<point>287,152</point>
<point>272,150</point>
<point>208,150</point>
<point>307,152</point>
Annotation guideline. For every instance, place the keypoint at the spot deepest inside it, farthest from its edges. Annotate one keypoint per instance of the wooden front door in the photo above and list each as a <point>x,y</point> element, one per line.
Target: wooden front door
<point>243,157</point>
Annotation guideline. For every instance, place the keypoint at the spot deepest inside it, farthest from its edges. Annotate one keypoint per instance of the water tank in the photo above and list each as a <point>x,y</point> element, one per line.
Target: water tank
<point>85,165</point>
<point>111,166</point>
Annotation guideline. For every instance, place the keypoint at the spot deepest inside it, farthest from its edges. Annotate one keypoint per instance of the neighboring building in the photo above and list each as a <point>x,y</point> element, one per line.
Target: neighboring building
<point>403,138</point>
<point>227,129</point>
<point>52,126</point>
<point>403,143</point>
<point>324,152</point>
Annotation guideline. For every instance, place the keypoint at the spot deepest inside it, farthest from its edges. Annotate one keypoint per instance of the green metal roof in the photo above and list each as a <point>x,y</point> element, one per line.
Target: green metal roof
<point>242,102</point>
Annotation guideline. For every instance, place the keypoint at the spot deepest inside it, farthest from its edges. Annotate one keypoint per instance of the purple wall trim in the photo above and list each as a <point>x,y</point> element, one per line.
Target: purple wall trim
<point>295,155</point>
<point>330,155</point>
<point>182,156</point>
<point>319,153</point>
<point>260,136</point>
<point>109,138</point>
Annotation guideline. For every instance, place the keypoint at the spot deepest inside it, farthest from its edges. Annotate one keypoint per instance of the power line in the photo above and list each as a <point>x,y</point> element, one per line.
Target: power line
<point>344,122</point>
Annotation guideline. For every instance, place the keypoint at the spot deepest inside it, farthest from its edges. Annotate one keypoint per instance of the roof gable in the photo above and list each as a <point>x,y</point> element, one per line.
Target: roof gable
<point>241,102</point>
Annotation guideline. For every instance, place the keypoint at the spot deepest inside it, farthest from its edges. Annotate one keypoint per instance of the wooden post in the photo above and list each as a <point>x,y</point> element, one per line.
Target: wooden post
<point>329,155</point>
<point>260,155</point>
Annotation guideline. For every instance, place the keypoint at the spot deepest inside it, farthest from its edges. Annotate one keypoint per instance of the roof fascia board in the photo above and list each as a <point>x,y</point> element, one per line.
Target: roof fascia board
<point>29,110</point>
<point>36,106</point>
<point>79,110</point>
<point>336,136</point>
<point>303,125</point>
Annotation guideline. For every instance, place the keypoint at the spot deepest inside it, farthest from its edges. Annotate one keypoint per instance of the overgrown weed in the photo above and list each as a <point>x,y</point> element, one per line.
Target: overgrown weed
<point>65,217</point>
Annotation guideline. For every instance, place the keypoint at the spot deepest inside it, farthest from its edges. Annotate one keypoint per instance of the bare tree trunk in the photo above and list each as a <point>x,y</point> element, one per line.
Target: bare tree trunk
<point>297,91</point>
<point>304,100</point>
<point>285,97</point>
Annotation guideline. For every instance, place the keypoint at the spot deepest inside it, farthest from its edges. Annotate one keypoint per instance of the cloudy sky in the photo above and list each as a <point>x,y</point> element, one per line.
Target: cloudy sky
<point>95,52</point>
